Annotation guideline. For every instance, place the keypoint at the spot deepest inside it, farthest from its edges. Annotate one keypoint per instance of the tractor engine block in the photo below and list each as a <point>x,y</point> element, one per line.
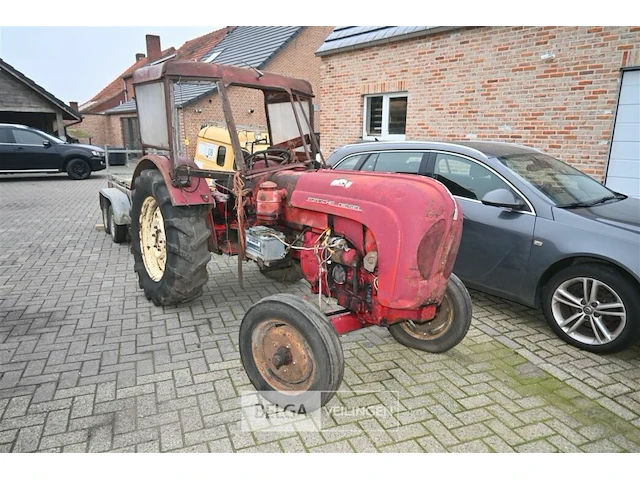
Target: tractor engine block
<point>334,268</point>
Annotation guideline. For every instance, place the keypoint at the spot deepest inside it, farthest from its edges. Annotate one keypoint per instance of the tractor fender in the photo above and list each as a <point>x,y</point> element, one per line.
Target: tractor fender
<point>197,193</point>
<point>120,205</point>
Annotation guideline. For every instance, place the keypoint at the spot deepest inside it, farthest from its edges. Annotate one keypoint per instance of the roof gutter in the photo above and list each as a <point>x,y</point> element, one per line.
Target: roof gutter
<point>384,41</point>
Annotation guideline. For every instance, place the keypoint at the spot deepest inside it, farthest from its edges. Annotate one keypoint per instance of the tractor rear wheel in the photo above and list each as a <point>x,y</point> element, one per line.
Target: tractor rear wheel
<point>291,352</point>
<point>446,329</point>
<point>169,244</point>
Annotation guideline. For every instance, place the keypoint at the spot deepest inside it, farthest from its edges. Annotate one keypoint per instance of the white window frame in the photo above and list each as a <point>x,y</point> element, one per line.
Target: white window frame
<point>385,116</point>
<point>212,57</point>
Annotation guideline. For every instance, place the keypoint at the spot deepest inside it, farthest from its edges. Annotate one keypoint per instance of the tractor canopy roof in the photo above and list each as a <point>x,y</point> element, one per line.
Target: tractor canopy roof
<point>189,72</point>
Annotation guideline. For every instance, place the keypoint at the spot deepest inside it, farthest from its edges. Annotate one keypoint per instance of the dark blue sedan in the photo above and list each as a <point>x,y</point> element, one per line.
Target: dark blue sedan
<point>536,231</point>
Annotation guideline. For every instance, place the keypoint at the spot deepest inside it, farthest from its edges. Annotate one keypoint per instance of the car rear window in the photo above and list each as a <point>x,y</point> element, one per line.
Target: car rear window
<point>5,136</point>
<point>349,163</point>
<point>395,162</point>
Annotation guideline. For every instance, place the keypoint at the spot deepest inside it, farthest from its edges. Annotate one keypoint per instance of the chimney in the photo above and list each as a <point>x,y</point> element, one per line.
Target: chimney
<point>139,56</point>
<point>74,105</point>
<point>153,47</point>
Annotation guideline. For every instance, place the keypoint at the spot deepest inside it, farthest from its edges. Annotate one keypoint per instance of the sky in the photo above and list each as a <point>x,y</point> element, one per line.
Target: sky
<point>75,63</point>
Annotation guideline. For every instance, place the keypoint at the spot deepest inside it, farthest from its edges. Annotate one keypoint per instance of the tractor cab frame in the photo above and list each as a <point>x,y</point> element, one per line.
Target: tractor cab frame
<point>287,104</point>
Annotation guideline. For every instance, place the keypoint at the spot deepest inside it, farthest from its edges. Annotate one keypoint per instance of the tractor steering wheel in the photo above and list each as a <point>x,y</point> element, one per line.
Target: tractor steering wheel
<point>278,155</point>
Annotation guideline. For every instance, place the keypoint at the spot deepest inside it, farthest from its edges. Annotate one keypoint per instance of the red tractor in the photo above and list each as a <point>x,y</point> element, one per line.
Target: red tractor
<point>382,245</point>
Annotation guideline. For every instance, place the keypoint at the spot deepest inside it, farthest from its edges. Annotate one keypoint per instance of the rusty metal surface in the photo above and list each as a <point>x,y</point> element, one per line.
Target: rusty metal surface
<point>227,74</point>
<point>194,194</point>
<point>436,326</point>
<point>282,356</point>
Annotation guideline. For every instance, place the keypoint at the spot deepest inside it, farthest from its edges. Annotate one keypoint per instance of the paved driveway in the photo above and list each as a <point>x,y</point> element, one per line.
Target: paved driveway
<point>87,364</point>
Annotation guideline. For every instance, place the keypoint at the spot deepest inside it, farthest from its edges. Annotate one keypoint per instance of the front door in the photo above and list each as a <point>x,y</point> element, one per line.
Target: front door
<point>33,151</point>
<point>496,242</point>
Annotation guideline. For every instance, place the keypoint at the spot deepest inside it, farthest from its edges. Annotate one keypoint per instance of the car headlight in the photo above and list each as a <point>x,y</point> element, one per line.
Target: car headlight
<point>96,153</point>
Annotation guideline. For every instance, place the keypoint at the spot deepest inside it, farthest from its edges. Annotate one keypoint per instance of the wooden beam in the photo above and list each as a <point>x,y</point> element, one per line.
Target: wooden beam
<point>60,124</point>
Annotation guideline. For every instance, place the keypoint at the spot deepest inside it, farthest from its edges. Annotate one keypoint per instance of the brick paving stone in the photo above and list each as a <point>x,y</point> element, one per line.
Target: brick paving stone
<point>205,434</point>
<point>100,438</point>
<point>62,439</point>
<point>75,448</point>
<point>171,437</point>
<point>152,446</point>
<point>57,422</point>
<point>28,439</point>
<point>539,446</point>
<point>219,446</point>
<point>475,446</point>
<point>497,444</point>
<point>563,444</point>
<point>87,364</point>
<point>361,444</point>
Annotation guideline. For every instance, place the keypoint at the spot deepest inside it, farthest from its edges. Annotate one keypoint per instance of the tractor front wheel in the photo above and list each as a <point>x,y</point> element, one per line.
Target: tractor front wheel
<point>291,352</point>
<point>446,329</point>
<point>169,243</point>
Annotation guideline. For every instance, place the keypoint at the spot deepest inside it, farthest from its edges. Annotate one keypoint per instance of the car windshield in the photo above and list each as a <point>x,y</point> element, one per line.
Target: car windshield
<point>564,185</point>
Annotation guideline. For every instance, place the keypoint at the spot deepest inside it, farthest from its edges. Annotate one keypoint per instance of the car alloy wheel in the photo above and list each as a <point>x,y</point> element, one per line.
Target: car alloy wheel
<point>589,311</point>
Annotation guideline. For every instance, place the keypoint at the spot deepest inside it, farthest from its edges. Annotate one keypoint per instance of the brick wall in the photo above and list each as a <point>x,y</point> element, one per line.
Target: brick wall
<point>104,129</point>
<point>297,59</point>
<point>490,83</point>
<point>115,126</point>
<point>97,126</point>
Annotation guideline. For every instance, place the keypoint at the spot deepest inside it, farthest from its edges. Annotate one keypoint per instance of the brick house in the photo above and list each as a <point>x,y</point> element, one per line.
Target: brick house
<point>283,50</point>
<point>120,122</point>
<point>560,89</point>
<point>106,130</point>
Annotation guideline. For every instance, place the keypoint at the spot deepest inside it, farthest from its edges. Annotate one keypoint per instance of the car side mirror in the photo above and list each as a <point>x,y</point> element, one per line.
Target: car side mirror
<point>503,198</point>
<point>46,144</point>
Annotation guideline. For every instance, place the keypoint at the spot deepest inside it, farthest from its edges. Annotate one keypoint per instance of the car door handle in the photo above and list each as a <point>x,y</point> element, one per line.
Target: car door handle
<point>19,148</point>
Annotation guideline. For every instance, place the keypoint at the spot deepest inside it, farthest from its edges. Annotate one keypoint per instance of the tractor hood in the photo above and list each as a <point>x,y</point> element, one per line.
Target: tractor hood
<point>416,223</point>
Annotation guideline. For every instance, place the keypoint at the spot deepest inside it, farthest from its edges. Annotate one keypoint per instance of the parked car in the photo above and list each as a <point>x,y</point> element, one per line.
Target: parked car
<point>26,150</point>
<point>536,231</point>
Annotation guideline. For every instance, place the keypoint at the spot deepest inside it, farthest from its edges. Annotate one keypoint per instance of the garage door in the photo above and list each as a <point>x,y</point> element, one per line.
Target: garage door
<point>623,173</point>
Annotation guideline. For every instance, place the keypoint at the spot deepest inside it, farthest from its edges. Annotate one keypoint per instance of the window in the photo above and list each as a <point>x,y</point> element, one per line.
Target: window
<point>130,133</point>
<point>395,162</point>
<point>466,178</point>
<point>350,162</point>
<point>5,136</point>
<point>25,137</point>
<point>212,57</point>
<point>385,116</point>
<point>222,152</point>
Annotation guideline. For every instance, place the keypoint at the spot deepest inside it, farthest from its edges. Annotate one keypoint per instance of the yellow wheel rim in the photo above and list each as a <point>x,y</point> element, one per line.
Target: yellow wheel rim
<point>153,242</point>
